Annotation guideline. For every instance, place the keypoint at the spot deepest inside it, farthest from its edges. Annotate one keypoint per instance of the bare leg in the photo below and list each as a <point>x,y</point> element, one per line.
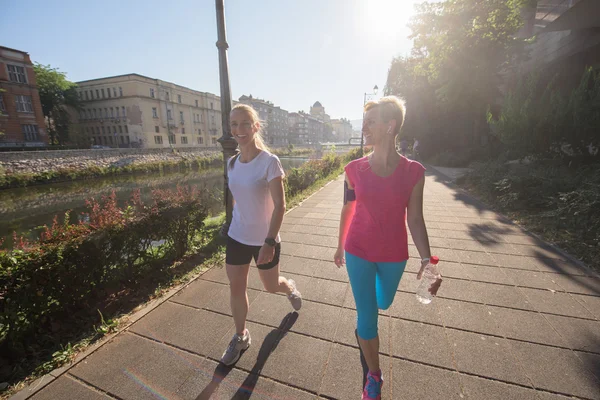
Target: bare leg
<point>238,282</point>
<point>273,282</point>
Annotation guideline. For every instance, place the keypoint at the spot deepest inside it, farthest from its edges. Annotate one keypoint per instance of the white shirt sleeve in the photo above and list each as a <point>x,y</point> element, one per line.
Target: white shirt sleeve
<point>275,169</point>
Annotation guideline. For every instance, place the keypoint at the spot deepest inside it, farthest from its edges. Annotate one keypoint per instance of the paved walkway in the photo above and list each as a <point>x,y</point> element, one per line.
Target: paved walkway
<point>514,320</point>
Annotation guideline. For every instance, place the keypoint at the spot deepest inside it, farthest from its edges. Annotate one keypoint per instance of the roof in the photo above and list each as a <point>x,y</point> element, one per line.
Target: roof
<point>317,104</point>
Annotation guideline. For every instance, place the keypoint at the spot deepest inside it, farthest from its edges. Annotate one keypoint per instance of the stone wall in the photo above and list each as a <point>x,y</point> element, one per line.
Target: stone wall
<point>42,161</point>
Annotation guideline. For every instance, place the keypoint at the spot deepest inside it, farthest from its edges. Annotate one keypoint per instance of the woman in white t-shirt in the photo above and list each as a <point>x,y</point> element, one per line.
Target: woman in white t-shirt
<point>255,179</point>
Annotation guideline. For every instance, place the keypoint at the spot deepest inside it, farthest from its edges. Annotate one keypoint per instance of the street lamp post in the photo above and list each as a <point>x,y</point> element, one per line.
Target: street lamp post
<point>375,89</point>
<point>227,141</point>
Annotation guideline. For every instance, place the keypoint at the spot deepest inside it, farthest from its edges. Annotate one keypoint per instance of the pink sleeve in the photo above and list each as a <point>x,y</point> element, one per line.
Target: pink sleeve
<point>350,173</point>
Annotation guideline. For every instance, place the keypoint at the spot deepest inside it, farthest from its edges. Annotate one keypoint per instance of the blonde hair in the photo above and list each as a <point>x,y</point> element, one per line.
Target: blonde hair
<point>390,108</point>
<point>258,138</point>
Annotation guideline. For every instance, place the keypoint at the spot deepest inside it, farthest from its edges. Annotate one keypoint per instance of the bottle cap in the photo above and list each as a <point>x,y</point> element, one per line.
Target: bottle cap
<point>434,260</point>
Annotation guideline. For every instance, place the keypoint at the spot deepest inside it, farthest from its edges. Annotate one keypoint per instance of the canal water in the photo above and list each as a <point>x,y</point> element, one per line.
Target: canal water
<point>26,210</point>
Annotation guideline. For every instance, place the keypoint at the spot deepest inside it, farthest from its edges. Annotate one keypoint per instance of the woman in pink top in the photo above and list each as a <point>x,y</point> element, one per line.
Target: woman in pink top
<point>382,192</point>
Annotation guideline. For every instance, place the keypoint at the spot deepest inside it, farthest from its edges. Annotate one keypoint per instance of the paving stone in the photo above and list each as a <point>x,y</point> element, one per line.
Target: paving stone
<point>531,279</point>
<point>458,289</point>
<point>468,316</point>
<point>317,240</point>
<point>406,306</point>
<point>591,303</point>
<point>131,367</point>
<point>421,342</point>
<point>344,376</point>
<point>487,274</point>
<point>558,267</point>
<point>307,251</point>
<point>297,265</point>
<point>210,296</point>
<point>347,325</point>
<point>457,270</point>
<point>298,359</point>
<point>35,387</point>
<point>556,303</point>
<point>187,328</point>
<point>486,356</point>
<point>66,387</point>
<point>411,381</point>
<point>576,284</point>
<point>503,295</point>
<point>567,375</point>
<point>328,270</point>
<point>325,291</point>
<point>527,326</point>
<point>480,388</point>
<point>580,334</point>
<point>216,274</point>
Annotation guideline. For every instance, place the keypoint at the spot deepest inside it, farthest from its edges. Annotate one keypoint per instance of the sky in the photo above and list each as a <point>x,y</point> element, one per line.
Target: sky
<point>290,52</point>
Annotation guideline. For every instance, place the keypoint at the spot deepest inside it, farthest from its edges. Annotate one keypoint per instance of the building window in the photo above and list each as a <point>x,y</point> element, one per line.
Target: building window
<point>158,140</point>
<point>102,90</point>
<point>117,111</point>
<point>86,95</point>
<point>2,106</point>
<point>181,116</point>
<point>97,130</point>
<point>196,103</point>
<point>127,139</point>
<point>213,119</point>
<point>103,131</point>
<point>179,98</point>
<point>106,113</point>
<point>184,140</point>
<point>124,113</point>
<point>17,74</point>
<point>126,129</point>
<point>200,140</point>
<point>114,92</point>
<point>115,130</point>
<point>110,140</point>
<point>156,129</point>
<point>211,105</point>
<point>169,116</point>
<point>199,131</point>
<point>120,129</point>
<point>154,112</point>
<point>24,103</point>
<point>30,132</point>
<point>97,94</point>
<point>108,93</point>
<point>167,95</point>
<point>122,139</point>
<point>152,92</point>
<point>214,140</point>
<point>112,112</point>
<point>183,131</point>
<point>89,114</point>
<point>120,91</point>
<point>172,139</point>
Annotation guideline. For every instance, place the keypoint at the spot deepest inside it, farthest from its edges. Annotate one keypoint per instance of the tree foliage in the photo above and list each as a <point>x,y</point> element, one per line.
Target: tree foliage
<point>57,95</point>
<point>453,73</point>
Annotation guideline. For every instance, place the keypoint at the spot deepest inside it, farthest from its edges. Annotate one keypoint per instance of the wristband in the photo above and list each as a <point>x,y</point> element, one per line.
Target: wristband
<point>425,259</point>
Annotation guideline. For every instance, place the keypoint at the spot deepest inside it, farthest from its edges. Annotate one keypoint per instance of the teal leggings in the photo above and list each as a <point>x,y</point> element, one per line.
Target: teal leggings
<point>374,286</point>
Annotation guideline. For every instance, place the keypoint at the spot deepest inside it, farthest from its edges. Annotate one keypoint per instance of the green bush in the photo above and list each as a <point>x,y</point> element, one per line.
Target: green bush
<point>542,122</point>
<point>62,275</point>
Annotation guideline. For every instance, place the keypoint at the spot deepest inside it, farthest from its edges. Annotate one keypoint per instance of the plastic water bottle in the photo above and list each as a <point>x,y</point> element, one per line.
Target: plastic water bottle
<point>430,275</point>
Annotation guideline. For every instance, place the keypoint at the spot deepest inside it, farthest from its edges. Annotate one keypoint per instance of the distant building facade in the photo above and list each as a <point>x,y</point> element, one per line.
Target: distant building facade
<point>318,111</point>
<point>342,130</point>
<point>137,111</point>
<point>276,120</point>
<point>22,121</point>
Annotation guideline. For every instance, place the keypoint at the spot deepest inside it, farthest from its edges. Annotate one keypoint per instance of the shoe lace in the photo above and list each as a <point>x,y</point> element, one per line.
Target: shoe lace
<point>373,387</point>
<point>236,339</point>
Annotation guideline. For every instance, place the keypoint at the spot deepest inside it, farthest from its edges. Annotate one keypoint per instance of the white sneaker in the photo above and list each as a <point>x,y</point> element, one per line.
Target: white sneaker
<point>236,346</point>
<point>295,297</point>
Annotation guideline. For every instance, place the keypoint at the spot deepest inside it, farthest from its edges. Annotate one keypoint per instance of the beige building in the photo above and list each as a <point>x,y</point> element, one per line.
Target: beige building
<point>137,111</point>
<point>342,130</point>
<point>318,111</point>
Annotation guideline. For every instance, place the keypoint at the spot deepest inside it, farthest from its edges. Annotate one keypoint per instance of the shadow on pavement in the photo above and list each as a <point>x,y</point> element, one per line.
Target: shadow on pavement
<point>486,233</point>
<point>268,346</point>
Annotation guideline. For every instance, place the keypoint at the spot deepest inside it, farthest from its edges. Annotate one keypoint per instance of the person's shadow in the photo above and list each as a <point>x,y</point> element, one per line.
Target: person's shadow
<point>247,387</point>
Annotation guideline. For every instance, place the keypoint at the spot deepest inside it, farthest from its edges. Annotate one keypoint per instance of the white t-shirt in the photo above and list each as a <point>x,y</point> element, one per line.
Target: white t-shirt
<point>253,208</point>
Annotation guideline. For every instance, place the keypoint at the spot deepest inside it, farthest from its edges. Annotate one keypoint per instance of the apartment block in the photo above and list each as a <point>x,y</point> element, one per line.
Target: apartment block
<point>137,111</point>
<point>21,118</point>
<point>275,118</point>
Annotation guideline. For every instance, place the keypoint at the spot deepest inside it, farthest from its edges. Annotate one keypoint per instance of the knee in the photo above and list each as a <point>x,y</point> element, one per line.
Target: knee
<point>366,326</point>
<point>237,289</point>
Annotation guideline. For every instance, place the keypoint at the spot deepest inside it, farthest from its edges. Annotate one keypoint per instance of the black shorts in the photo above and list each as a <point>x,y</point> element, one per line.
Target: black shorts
<point>241,254</point>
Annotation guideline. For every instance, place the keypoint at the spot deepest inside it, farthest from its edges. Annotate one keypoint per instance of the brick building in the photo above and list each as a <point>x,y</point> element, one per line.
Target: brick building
<point>21,116</point>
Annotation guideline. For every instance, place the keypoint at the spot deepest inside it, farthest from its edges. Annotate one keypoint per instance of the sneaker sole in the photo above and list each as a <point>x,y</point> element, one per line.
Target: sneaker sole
<point>238,356</point>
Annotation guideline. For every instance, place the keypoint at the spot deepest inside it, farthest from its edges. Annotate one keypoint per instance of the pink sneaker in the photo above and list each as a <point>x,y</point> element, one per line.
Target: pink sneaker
<point>372,390</point>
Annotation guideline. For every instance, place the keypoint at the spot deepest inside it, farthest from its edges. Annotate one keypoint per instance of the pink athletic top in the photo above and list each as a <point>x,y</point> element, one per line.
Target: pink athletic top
<point>377,232</point>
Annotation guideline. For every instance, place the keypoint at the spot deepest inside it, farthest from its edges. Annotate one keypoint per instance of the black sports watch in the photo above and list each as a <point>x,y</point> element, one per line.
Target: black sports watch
<point>271,242</point>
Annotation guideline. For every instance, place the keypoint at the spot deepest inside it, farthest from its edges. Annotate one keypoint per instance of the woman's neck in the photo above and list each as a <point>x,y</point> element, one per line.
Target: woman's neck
<point>385,156</point>
<point>249,152</point>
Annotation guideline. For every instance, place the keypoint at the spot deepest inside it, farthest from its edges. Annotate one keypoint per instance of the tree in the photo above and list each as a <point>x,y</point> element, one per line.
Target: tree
<point>453,73</point>
<point>57,95</point>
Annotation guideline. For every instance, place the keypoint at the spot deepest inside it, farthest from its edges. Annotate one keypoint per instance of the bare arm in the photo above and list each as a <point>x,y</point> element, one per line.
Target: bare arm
<point>416,223</point>
<point>267,252</point>
<point>346,217</point>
